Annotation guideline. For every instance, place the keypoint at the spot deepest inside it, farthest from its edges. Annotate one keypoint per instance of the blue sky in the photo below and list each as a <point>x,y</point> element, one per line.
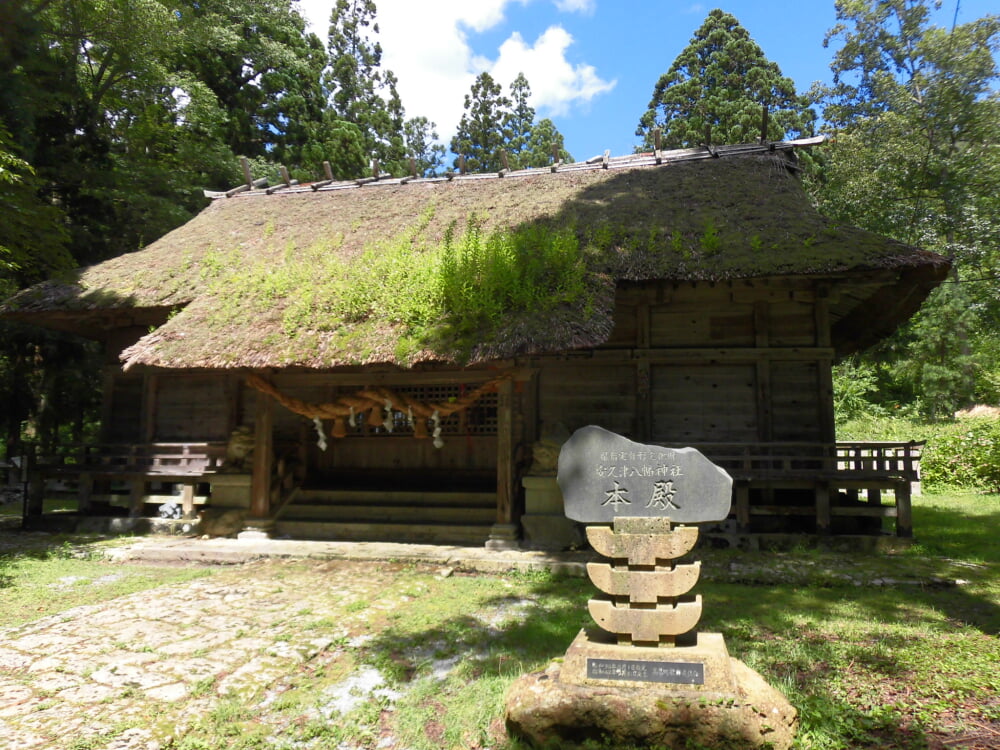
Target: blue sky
<point>592,64</point>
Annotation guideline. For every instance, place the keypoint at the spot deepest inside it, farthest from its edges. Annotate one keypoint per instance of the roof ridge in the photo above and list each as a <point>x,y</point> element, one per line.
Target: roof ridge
<point>605,161</point>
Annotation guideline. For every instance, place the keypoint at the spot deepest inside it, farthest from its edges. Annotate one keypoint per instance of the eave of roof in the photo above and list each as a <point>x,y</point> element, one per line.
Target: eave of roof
<point>695,215</point>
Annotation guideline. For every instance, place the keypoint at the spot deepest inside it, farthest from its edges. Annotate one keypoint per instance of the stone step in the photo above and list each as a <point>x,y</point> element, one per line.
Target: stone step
<point>385,514</point>
<point>415,533</point>
<point>416,498</point>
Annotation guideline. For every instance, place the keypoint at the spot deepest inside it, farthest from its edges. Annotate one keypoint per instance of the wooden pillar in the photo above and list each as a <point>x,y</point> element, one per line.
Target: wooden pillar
<point>764,392</point>
<point>263,457</point>
<point>107,401</point>
<point>762,340</point>
<point>504,533</point>
<point>827,419</point>
<point>84,491</point>
<point>643,402</point>
<point>150,387</point>
<point>136,497</point>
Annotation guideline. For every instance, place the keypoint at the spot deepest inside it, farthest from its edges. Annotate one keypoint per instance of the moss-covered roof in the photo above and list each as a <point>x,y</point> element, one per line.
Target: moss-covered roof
<point>339,276</point>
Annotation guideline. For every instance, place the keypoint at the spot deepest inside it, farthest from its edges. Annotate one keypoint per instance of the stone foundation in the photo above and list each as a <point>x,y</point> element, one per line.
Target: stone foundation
<point>649,696</point>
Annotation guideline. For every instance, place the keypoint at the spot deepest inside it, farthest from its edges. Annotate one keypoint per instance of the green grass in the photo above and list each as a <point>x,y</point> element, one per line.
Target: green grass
<point>875,650</point>
<point>47,574</point>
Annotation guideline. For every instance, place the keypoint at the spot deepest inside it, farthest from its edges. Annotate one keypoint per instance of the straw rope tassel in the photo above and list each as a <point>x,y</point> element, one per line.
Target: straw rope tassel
<point>379,403</point>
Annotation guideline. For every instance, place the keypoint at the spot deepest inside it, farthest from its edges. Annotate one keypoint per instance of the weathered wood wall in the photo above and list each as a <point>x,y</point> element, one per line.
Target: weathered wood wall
<point>727,362</point>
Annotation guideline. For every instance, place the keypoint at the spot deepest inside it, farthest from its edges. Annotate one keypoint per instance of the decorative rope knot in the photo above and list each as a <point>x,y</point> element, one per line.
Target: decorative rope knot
<point>379,403</point>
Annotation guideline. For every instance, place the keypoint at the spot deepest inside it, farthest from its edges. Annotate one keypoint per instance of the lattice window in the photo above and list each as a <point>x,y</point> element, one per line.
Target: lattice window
<point>478,419</point>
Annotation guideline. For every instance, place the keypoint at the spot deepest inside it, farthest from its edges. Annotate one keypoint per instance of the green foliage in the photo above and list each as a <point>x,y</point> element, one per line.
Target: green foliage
<point>854,383</point>
<point>537,150</point>
<point>722,80</point>
<point>493,123</point>
<point>480,136</point>
<point>485,280</point>
<point>915,158</point>
<point>465,288</point>
<point>966,454</point>
<point>359,90</point>
<point>422,146</point>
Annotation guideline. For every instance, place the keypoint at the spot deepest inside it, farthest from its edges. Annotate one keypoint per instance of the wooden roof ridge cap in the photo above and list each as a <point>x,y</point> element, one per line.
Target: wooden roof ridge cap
<point>644,159</point>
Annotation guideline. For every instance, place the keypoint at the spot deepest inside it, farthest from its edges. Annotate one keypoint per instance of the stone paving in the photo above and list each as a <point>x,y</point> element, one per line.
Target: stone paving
<point>69,679</point>
<point>74,679</point>
<point>99,677</point>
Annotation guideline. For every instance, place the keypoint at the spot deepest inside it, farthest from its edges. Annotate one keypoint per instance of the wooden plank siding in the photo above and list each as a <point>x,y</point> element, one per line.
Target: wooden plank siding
<point>579,394</point>
<point>704,403</point>
<point>191,407</point>
<point>742,363</point>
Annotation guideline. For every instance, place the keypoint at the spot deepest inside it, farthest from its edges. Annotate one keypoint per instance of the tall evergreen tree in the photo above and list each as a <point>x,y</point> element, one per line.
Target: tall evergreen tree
<point>916,158</point>
<point>359,90</point>
<point>480,136</point>
<point>422,146</point>
<point>519,119</point>
<point>720,83</point>
<point>537,152</point>
<point>493,123</point>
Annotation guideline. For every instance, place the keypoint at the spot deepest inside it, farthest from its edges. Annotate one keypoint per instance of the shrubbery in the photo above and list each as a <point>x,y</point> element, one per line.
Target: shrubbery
<point>964,454</point>
<point>960,454</point>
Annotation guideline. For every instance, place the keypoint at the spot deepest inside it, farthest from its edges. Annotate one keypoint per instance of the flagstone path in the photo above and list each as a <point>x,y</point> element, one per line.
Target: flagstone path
<point>68,680</point>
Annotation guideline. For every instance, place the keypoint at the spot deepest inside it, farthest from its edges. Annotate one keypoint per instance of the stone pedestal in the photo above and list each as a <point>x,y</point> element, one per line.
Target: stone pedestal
<point>256,529</point>
<point>701,667</point>
<point>550,709</point>
<point>544,521</point>
<point>503,536</point>
<point>230,490</point>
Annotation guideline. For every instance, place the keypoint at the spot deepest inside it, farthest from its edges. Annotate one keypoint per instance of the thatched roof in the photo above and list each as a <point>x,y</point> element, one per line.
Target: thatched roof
<point>246,283</point>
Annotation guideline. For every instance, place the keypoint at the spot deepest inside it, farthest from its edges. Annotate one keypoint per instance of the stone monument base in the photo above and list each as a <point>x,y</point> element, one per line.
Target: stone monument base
<point>684,696</point>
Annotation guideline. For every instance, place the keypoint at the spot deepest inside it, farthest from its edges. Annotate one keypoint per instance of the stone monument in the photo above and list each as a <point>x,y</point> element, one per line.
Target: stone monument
<point>646,676</point>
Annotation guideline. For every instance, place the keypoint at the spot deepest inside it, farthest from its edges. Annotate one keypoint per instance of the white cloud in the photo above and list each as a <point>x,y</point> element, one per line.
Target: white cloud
<point>556,84</point>
<point>427,45</point>
<point>576,6</point>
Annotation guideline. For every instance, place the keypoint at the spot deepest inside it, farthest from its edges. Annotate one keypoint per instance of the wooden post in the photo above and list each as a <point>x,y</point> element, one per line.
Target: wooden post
<point>762,340</point>
<point>824,367</point>
<point>413,167</point>
<point>84,490</point>
<point>904,510</point>
<point>263,458</point>
<point>285,177</point>
<point>147,424</point>
<point>643,401</point>
<point>34,499</point>
<point>461,164</point>
<point>328,171</point>
<point>187,499</point>
<point>742,490</point>
<point>503,535</point>
<point>247,176</point>
<point>136,492</point>
<point>823,513</point>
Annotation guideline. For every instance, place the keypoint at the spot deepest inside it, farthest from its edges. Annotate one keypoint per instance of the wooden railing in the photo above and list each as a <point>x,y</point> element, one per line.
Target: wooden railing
<point>146,458</point>
<point>824,469</point>
<point>132,474</point>
<point>783,459</point>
